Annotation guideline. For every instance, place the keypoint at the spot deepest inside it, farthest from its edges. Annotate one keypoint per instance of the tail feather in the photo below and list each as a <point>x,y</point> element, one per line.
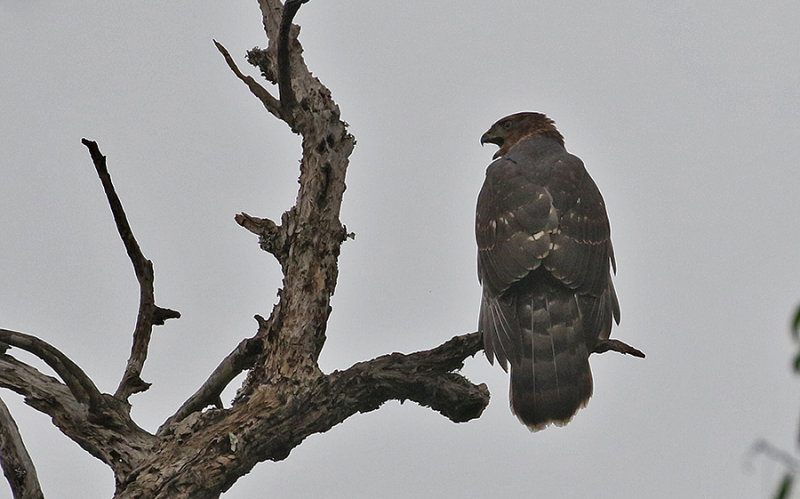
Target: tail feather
<point>546,331</point>
<point>551,378</point>
<point>500,330</point>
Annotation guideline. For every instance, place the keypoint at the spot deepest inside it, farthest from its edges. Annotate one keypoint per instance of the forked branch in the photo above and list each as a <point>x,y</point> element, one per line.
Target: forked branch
<point>149,313</point>
<point>241,358</point>
<point>79,384</point>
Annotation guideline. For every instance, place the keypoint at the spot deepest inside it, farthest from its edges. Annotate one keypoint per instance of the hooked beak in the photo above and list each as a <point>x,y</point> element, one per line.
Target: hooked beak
<point>491,139</point>
<point>498,141</point>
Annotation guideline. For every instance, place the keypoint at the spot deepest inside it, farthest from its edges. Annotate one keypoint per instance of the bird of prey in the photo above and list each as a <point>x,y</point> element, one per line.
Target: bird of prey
<point>544,263</point>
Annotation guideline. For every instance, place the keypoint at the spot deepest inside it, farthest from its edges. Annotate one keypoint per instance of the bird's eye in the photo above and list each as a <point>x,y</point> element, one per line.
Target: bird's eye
<point>506,125</point>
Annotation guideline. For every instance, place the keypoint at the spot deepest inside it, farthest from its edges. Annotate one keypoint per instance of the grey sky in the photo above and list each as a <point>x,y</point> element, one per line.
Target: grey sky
<point>685,113</point>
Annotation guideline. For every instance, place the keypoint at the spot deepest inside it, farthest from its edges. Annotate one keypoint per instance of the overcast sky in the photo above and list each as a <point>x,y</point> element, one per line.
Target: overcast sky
<point>685,113</point>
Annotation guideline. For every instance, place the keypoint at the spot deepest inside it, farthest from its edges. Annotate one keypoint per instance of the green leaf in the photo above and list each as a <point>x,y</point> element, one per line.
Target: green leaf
<point>785,487</point>
<point>796,324</point>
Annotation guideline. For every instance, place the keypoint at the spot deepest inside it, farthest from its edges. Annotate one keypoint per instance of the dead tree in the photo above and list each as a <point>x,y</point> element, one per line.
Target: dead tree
<point>202,449</point>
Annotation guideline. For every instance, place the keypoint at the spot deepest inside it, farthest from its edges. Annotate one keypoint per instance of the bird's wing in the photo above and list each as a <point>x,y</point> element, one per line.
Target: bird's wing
<point>514,224</point>
<point>581,255</point>
<point>542,212</point>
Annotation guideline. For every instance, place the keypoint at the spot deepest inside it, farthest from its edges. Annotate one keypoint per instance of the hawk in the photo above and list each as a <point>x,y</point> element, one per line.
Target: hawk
<point>544,263</point>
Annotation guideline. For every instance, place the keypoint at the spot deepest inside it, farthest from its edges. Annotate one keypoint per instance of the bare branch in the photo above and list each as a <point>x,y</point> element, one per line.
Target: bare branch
<point>270,423</point>
<point>288,100</point>
<point>15,460</point>
<point>425,377</point>
<point>616,346</point>
<point>271,237</point>
<point>44,393</point>
<point>241,358</point>
<point>149,313</point>
<point>111,437</point>
<point>266,98</point>
<point>258,226</point>
<point>80,385</point>
<point>124,228</point>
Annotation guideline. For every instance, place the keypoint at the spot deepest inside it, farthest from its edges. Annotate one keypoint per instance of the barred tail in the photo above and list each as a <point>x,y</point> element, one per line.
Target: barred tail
<point>551,378</point>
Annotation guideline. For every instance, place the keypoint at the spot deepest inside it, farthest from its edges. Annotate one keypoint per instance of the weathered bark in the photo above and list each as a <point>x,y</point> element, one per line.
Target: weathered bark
<point>220,445</point>
<point>201,452</point>
<point>15,460</point>
<point>111,437</point>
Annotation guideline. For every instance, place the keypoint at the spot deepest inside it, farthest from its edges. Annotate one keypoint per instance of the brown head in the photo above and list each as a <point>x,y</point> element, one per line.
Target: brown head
<point>511,129</point>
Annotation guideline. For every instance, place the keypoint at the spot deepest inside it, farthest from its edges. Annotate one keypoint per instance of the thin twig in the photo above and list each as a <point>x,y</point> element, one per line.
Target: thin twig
<point>79,384</point>
<point>617,346</point>
<point>149,313</point>
<point>762,446</point>
<point>123,227</point>
<point>271,103</point>
<point>290,8</point>
<point>15,460</point>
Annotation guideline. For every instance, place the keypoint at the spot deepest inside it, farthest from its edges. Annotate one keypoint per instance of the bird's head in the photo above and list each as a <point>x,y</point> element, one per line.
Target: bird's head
<point>511,129</point>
